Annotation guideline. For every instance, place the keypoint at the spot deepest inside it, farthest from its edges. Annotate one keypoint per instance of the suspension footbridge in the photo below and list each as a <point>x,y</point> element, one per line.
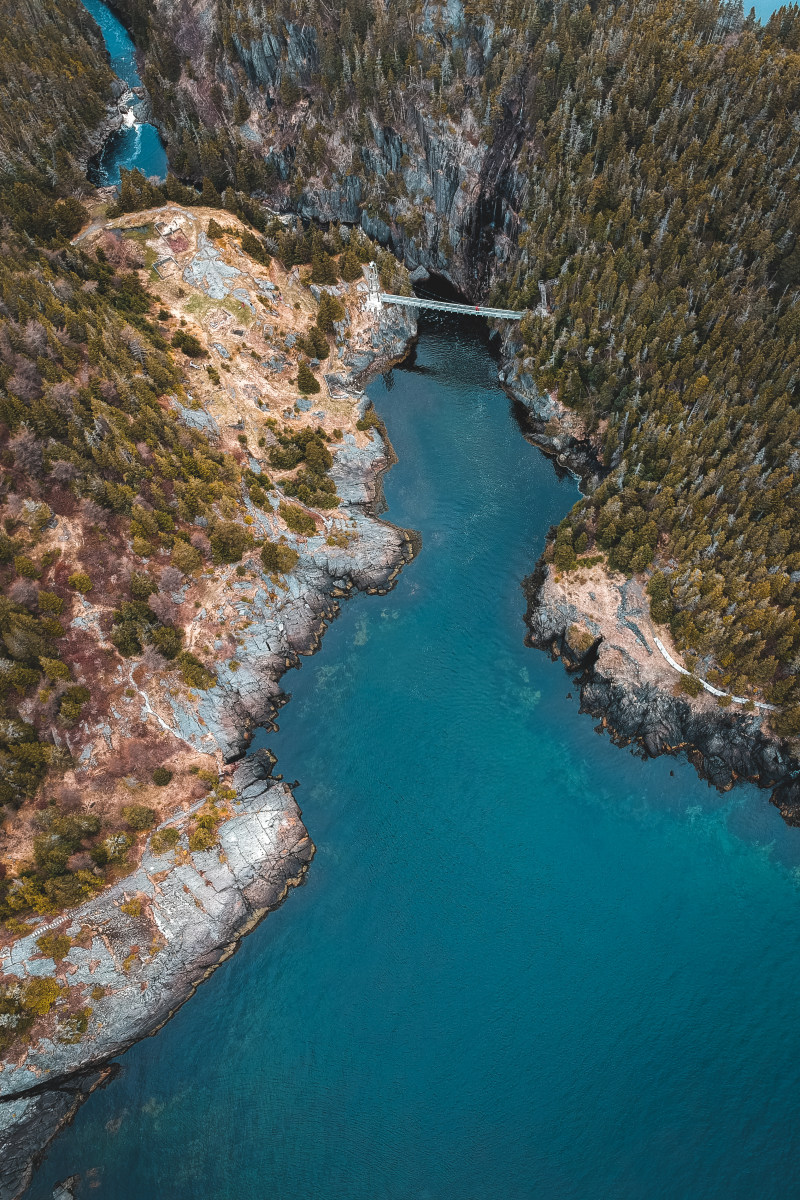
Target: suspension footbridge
<point>474,310</point>
<point>376,300</point>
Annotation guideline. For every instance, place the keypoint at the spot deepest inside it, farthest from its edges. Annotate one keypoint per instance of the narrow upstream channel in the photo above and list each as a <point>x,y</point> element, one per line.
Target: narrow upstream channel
<point>135,146</point>
<point>525,963</point>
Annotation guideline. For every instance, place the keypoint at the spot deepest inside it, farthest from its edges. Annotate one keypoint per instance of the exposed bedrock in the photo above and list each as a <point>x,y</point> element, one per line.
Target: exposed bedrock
<point>641,712</point>
<point>192,911</point>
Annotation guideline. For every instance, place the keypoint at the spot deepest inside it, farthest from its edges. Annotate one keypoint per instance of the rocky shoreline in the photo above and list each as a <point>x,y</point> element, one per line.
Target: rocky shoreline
<point>623,679</point>
<point>630,688</point>
<point>184,913</point>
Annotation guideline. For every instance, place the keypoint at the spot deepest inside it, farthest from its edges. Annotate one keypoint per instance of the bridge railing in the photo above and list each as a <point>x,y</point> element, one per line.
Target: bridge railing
<point>475,310</point>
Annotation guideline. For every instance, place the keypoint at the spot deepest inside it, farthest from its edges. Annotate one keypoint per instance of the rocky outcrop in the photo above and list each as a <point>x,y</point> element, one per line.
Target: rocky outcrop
<point>544,420</point>
<point>625,682</point>
<point>137,964</point>
<point>249,694</point>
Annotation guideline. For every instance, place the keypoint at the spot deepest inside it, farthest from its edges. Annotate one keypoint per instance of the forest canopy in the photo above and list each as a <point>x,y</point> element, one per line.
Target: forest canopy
<point>648,172</point>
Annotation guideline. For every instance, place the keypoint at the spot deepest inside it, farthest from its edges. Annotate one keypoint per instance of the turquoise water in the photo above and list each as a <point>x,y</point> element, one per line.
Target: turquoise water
<point>121,49</point>
<point>525,965</point>
<point>139,146</point>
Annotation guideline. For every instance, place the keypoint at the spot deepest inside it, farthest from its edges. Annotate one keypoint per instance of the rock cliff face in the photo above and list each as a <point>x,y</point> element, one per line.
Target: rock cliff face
<point>429,187</point>
<point>546,422</point>
<point>464,195</point>
<point>600,628</point>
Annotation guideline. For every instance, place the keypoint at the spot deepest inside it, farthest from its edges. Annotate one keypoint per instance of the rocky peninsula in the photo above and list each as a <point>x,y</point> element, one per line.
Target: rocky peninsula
<point>123,962</point>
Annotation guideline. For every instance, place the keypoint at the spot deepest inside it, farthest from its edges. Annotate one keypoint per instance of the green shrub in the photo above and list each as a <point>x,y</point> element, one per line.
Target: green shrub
<point>370,420</point>
<point>185,557</point>
<point>132,908</point>
<point>42,993</point>
<point>26,567</point>
<point>21,1004</point>
<point>162,776</point>
<point>167,639</point>
<point>277,556</point>
<point>202,838</point>
<point>115,848</point>
<point>72,701</point>
<point>297,519</point>
<point>62,834</point>
<point>189,344</point>
<point>255,248</point>
<point>49,602</point>
<point>126,640</point>
<point>195,674</point>
<point>164,840</point>
<point>307,383</point>
<point>229,542</point>
<point>691,685</point>
<point>54,945</point>
<point>318,491</point>
<point>139,816</point>
<point>55,669</point>
<point>142,586</point>
<point>80,582</point>
<point>214,230</point>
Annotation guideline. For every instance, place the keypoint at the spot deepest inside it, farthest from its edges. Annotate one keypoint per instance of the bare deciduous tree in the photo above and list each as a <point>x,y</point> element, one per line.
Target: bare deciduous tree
<point>171,579</point>
<point>163,606</point>
<point>27,452</point>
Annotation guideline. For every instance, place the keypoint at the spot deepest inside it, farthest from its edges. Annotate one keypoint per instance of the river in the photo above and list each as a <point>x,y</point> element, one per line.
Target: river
<point>525,964</point>
<point>138,145</point>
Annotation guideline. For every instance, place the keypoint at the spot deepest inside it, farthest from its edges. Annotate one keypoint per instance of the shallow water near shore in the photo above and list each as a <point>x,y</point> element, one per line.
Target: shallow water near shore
<point>525,963</point>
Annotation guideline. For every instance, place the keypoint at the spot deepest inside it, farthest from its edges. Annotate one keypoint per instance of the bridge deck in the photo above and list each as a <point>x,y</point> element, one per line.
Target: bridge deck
<point>475,310</point>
